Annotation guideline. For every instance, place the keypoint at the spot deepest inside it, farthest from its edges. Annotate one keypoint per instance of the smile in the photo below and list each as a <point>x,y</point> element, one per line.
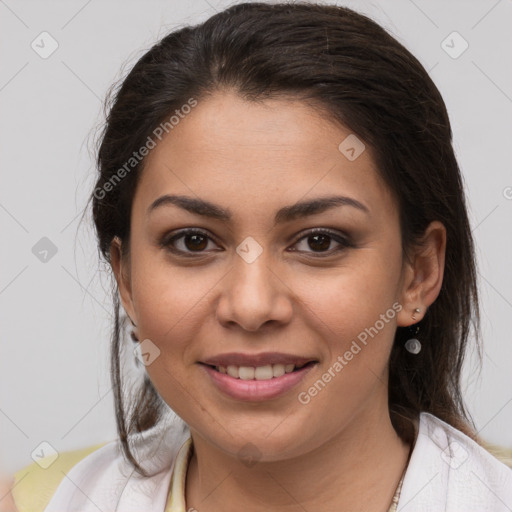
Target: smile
<point>256,377</point>
<point>269,371</point>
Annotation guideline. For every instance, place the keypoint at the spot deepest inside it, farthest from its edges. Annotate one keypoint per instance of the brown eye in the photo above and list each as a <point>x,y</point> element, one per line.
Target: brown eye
<point>195,242</point>
<point>187,242</point>
<point>320,240</point>
<point>316,242</point>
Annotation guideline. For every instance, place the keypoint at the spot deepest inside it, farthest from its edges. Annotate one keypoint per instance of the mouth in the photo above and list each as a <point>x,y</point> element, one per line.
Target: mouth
<point>265,372</point>
<point>257,377</point>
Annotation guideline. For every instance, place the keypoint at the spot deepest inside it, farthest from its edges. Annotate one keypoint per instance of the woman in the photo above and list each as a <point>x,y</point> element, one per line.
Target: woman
<point>281,207</point>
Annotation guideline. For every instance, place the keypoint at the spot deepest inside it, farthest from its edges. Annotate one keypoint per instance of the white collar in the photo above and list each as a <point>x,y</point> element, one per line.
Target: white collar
<point>447,472</point>
<point>105,481</point>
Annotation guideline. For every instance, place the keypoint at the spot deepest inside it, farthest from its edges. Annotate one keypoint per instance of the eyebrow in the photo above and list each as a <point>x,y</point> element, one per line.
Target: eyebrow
<point>285,214</point>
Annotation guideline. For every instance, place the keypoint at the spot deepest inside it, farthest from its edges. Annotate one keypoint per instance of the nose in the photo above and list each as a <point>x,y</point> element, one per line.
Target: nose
<point>254,296</point>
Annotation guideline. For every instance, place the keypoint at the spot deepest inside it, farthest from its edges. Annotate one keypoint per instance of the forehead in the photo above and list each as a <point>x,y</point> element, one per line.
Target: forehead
<point>232,150</point>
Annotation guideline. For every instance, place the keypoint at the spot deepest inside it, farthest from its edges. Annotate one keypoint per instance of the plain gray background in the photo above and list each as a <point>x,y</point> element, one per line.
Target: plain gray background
<point>56,315</point>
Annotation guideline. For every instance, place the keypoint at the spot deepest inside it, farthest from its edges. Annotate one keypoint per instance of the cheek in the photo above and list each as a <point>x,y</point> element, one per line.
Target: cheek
<point>351,297</point>
<point>171,307</point>
<point>354,312</point>
<point>164,297</point>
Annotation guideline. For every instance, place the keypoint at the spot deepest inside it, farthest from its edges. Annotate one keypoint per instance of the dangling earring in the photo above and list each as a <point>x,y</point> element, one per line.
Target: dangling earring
<point>135,339</point>
<point>413,345</point>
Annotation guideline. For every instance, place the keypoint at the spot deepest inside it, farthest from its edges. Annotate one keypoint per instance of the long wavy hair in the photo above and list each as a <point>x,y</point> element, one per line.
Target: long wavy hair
<point>357,74</point>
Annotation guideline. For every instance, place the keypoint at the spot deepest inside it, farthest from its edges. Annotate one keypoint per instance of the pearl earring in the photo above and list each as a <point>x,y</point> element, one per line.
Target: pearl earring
<point>413,345</point>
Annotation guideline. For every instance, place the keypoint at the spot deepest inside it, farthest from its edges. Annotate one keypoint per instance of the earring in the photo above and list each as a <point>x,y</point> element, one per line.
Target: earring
<point>133,336</point>
<point>413,345</point>
<point>417,310</point>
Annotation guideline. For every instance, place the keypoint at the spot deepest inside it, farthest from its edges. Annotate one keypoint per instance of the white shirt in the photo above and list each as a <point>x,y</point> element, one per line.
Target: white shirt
<point>447,472</point>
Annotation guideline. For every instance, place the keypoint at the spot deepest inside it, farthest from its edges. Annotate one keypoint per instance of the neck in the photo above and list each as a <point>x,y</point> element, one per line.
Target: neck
<point>356,470</point>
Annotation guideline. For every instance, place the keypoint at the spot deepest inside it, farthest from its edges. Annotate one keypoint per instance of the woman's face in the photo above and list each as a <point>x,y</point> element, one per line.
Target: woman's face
<point>255,289</point>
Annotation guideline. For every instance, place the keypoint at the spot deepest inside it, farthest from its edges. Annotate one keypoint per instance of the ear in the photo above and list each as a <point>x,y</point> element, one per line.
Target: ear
<point>121,270</point>
<point>423,275</point>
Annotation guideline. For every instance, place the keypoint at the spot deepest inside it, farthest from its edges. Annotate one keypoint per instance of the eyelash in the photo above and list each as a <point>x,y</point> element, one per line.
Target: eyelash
<point>345,242</point>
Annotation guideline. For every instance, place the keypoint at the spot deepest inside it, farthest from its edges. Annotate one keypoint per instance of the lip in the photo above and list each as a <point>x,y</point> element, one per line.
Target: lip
<point>261,359</point>
<point>257,390</point>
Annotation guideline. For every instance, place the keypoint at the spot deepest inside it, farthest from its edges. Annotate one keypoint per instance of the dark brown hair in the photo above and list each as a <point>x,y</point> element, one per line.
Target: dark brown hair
<point>358,75</point>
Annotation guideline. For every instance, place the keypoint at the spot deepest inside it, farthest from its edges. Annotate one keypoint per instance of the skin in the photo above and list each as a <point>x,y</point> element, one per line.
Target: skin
<point>339,451</point>
<point>6,499</point>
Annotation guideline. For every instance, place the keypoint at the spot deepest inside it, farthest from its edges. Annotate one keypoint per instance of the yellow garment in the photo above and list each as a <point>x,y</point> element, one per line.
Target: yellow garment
<point>34,486</point>
<point>176,497</point>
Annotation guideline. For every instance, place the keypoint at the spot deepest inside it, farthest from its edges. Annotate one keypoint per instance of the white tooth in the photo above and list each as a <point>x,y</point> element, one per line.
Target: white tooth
<point>263,372</point>
<point>288,368</point>
<point>246,372</point>
<point>278,370</point>
<point>222,369</point>
<point>233,371</point>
